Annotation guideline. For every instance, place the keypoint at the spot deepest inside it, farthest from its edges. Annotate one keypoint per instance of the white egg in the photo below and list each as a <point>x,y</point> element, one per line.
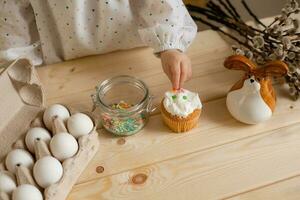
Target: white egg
<point>27,192</point>
<point>47,171</point>
<point>55,110</point>
<point>63,146</point>
<point>80,124</point>
<point>7,183</point>
<point>18,157</point>
<point>34,134</point>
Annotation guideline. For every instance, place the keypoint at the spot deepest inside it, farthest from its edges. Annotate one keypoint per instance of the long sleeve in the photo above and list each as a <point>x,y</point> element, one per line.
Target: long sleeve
<point>164,24</point>
<point>18,33</point>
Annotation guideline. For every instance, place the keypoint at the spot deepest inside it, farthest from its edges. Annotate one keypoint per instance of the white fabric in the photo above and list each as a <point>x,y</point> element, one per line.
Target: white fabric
<point>49,31</point>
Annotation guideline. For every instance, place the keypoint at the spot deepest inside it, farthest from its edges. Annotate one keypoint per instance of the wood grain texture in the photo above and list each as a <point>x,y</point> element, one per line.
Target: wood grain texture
<point>211,174</point>
<point>156,142</point>
<point>286,189</point>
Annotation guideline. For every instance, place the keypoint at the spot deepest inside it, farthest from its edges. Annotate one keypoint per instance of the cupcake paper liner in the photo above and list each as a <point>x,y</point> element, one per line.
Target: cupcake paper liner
<point>179,124</point>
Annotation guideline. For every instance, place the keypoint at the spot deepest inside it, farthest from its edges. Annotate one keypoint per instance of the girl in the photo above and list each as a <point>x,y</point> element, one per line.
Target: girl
<point>50,31</point>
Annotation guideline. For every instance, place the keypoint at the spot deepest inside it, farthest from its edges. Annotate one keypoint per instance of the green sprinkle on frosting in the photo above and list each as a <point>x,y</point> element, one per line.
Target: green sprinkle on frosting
<point>174,97</point>
<point>184,97</point>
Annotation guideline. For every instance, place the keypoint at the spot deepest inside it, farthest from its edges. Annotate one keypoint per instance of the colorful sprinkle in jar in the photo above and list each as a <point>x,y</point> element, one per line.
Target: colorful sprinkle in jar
<point>124,103</point>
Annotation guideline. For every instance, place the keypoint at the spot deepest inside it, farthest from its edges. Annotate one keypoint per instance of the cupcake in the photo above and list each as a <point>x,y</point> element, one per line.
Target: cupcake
<point>181,110</point>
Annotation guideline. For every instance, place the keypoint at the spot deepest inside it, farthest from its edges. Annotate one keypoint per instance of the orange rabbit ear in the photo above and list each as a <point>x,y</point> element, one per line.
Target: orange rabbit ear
<point>274,69</point>
<point>238,62</point>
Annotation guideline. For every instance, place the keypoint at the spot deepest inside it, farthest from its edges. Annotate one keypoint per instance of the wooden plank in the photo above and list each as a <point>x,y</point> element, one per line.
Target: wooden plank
<point>212,174</point>
<point>286,189</point>
<point>156,143</point>
<point>209,87</point>
<point>72,82</point>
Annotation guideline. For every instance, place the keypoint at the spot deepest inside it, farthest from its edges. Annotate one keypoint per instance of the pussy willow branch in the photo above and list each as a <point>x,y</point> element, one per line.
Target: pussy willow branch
<point>216,28</point>
<point>225,6</point>
<point>236,26</point>
<point>228,21</point>
<point>217,14</point>
<point>276,20</point>
<point>239,26</point>
<point>252,14</point>
<point>217,10</point>
<point>233,9</point>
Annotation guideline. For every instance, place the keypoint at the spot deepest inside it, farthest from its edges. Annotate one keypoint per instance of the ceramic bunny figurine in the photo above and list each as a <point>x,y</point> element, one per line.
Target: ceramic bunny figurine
<point>252,99</point>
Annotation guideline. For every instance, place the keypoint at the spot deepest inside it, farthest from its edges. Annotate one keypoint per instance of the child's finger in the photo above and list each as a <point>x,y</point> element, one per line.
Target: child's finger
<point>190,73</point>
<point>183,73</point>
<point>175,75</point>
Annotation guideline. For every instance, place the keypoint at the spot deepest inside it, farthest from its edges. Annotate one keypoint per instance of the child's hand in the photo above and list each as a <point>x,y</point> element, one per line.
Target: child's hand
<point>177,66</point>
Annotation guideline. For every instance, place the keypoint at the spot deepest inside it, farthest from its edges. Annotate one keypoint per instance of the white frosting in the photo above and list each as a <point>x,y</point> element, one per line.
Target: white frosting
<point>182,102</point>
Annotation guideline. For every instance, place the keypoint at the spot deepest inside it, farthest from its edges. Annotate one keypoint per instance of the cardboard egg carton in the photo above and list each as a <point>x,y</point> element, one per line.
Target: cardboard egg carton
<point>22,105</point>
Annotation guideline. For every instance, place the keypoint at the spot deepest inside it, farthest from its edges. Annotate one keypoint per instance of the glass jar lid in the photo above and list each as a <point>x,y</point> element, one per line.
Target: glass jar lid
<point>121,89</point>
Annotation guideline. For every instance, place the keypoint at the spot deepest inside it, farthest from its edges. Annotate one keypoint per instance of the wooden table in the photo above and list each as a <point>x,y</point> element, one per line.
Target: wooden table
<point>221,158</point>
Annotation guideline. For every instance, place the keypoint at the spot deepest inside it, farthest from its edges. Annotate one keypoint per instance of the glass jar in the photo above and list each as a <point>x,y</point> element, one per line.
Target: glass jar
<point>124,103</point>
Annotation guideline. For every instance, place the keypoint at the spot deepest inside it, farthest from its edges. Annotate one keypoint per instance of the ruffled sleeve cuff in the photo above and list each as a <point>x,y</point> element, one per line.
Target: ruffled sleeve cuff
<point>164,37</point>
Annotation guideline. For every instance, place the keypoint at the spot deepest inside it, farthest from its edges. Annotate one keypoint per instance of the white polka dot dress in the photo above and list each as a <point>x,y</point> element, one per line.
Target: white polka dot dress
<point>50,31</point>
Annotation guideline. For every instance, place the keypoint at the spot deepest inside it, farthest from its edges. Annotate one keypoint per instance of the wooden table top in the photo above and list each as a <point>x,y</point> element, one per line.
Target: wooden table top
<point>221,158</point>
